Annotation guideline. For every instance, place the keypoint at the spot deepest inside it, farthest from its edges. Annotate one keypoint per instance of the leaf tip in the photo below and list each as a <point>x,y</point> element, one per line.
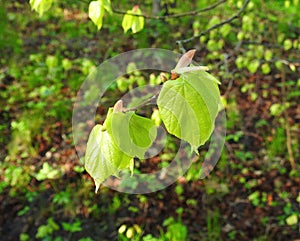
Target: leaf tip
<point>135,8</point>
<point>190,54</point>
<point>118,107</point>
<point>185,59</point>
<point>97,188</point>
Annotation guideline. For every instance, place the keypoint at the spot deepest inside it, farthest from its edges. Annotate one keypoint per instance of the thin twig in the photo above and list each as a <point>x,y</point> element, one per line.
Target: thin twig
<point>237,15</point>
<point>287,126</point>
<point>145,102</point>
<point>269,45</point>
<point>178,15</point>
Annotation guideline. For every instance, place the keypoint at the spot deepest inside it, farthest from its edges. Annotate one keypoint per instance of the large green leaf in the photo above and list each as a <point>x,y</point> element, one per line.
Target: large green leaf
<point>96,12</point>
<point>133,134</point>
<point>103,158</point>
<point>40,6</point>
<point>189,105</point>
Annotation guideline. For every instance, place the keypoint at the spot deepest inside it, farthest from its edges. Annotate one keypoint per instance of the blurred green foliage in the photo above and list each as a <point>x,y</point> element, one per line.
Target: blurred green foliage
<point>45,59</point>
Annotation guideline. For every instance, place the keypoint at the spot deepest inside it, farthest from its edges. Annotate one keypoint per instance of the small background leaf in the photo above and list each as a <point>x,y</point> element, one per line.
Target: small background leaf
<point>135,23</point>
<point>96,13</point>
<point>138,22</point>
<point>107,6</point>
<point>127,21</point>
<point>40,6</point>
<point>253,66</point>
<point>292,219</point>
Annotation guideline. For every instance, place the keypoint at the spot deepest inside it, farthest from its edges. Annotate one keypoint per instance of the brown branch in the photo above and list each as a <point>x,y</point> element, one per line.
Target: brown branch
<point>178,15</point>
<point>235,16</point>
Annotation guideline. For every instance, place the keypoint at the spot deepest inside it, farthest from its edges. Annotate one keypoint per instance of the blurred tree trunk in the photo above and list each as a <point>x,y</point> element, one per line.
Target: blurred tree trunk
<point>156,7</point>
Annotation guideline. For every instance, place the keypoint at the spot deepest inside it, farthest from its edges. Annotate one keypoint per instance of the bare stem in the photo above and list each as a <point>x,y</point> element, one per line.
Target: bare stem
<point>145,102</point>
<point>287,126</point>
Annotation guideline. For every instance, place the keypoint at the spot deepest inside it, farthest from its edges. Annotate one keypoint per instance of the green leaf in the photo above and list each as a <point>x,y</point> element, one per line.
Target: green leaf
<point>127,21</point>
<point>96,13</point>
<point>240,36</point>
<point>278,64</point>
<point>138,22</point>
<point>122,229</point>
<point>40,6</point>
<point>189,105</point>
<point>292,219</point>
<point>156,117</point>
<point>72,227</point>
<point>212,45</point>
<point>265,68</point>
<point>259,52</point>
<point>268,55</point>
<point>135,23</point>
<point>213,21</point>
<point>253,66</point>
<point>47,172</point>
<point>133,134</point>
<point>239,61</point>
<point>277,109</point>
<point>292,67</point>
<point>103,158</point>
<point>287,44</point>
<point>107,6</point>
<point>225,30</point>
<point>122,84</point>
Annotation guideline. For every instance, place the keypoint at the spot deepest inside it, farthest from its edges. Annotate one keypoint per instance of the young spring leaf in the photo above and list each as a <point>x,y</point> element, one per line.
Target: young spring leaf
<point>135,23</point>
<point>138,22</point>
<point>132,133</point>
<point>107,6</point>
<point>103,158</point>
<point>127,21</point>
<point>185,60</point>
<point>183,65</point>
<point>40,6</point>
<point>188,106</point>
<point>96,12</point>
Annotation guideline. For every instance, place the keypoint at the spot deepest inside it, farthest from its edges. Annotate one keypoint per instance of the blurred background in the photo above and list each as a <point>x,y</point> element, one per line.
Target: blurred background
<point>254,191</point>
